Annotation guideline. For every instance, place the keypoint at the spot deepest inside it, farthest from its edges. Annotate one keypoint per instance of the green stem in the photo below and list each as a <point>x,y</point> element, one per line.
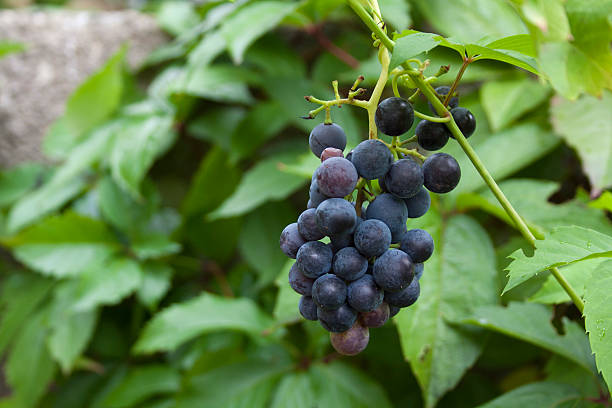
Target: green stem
<point>431,118</point>
<point>369,21</point>
<point>466,62</point>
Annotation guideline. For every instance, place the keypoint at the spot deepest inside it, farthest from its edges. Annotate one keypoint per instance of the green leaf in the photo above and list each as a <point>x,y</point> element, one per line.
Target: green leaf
<point>459,277</point>
<point>540,394</point>
<point>410,44</point>
<point>287,300</point>
<point>260,184</point>
<point>155,284</point>
<point>563,246</point>
<point>142,383</point>
<point>507,56</point>
<point>214,167</point>
<point>29,368</point>
<point>215,124</point>
<point>10,47</point>
<point>506,152</point>
<point>66,182</point>
<point>209,48</point>
<point>530,322</point>
<point>90,104</point>
<point>585,125</point>
<point>250,22</point>
<point>177,17</point>
<point>70,331</point>
<point>296,390</point>
<point>219,82</point>
<point>21,294</point>
<point>396,12</point>
<point>64,245</point>
<point>598,318</point>
<point>16,182</point>
<point>470,20</point>
<point>577,274</point>
<point>521,43</point>
<point>139,142</point>
<point>259,239</point>
<point>506,101</point>
<point>207,312</point>
<point>548,18</point>
<point>244,384</point>
<point>154,245</point>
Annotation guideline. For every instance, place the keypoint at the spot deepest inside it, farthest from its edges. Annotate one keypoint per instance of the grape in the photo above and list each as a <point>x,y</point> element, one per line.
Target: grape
<point>393,270</point>
<point>465,120</point>
<point>349,264</point>
<point>377,317</point>
<point>314,259</point>
<point>419,268</point>
<point>441,173</point>
<point>372,238</point>
<point>418,204</point>
<point>382,185</point>
<point>298,282</point>
<point>291,240</point>
<point>372,159</point>
<point>352,341</point>
<point>330,152</point>
<point>308,227</point>
<point>394,116</point>
<point>326,135</point>
<point>336,177</point>
<point>364,295</point>
<point>406,296</point>
<point>392,211</point>
<point>349,156</point>
<point>393,310</point>
<point>443,91</point>
<point>418,244</point>
<point>432,135</point>
<point>341,241</point>
<point>329,292</point>
<point>308,308</point>
<point>404,179</point>
<point>316,197</point>
<point>337,320</point>
<point>336,216</point>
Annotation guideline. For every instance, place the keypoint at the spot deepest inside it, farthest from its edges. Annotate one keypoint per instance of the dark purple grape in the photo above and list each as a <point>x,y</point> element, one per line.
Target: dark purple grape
<point>329,292</point>
<point>393,310</point>
<point>308,227</point>
<point>341,241</point>
<point>377,317</point>
<point>441,173</point>
<point>364,295</point>
<point>432,135</point>
<point>404,179</point>
<point>316,197</point>
<point>308,308</point>
<point>443,91</point>
<point>465,120</point>
<point>419,268</point>
<point>392,211</point>
<point>372,159</point>
<point>291,240</point>
<point>372,238</point>
<point>394,116</point>
<point>336,216</point>
<point>330,152</point>
<point>405,297</point>
<point>352,341</point>
<point>314,259</point>
<point>393,270</point>
<point>337,320</point>
<point>419,204</point>
<point>418,244</point>
<point>349,264</point>
<point>298,282</point>
<point>323,136</point>
<point>336,177</point>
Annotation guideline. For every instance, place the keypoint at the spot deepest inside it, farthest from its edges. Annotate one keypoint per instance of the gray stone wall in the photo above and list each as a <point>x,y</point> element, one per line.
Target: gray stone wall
<point>63,49</point>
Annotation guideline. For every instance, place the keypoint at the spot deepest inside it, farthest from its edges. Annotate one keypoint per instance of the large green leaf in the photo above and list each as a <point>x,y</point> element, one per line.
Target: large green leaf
<point>585,125</point>
<point>577,274</point>
<point>396,12</point>
<point>250,22</point>
<point>598,318</point>
<point>221,83</point>
<point>121,209</point>
<point>17,181</point>
<point>547,19</point>
<point>540,394</point>
<point>90,104</point>
<point>155,284</point>
<point>459,277</point>
<point>262,183</point>
<point>184,321</point>
<point>141,383</point>
<point>563,246</point>
<point>64,245</point>
<point>530,322</point>
<point>296,390</point>
<point>177,17</point>
<point>410,44</point>
<point>139,142</point>
<point>506,101</point>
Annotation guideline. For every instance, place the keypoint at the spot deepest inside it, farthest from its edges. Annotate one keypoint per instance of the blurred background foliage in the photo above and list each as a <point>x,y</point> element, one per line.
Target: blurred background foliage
<point>143,269</point>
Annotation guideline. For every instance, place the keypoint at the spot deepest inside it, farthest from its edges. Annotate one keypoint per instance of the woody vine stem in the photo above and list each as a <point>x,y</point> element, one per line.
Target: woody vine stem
<point>373,20</point>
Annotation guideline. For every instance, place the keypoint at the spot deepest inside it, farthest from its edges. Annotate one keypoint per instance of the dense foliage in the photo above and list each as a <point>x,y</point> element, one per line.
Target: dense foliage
<point>144,269</point>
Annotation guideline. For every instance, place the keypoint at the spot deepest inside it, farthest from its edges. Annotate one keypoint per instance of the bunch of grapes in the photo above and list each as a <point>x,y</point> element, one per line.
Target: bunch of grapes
<point>371,266</point>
